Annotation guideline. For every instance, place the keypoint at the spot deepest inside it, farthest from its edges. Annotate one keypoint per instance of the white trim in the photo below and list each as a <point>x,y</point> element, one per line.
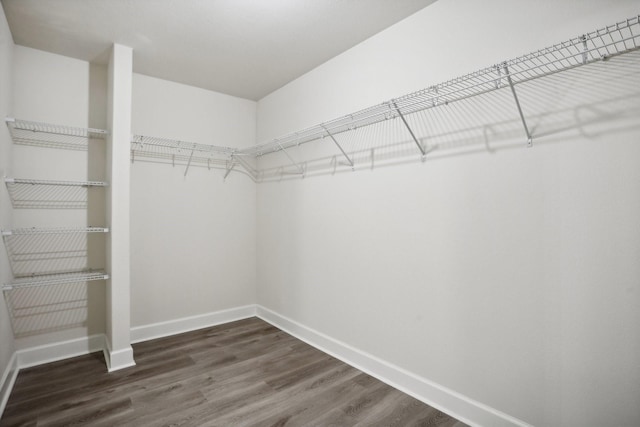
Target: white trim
<point>8,379</point>
<point>192,323</point>
<point>53,352</point>
<point>453,403</point>
<point>119,359</point>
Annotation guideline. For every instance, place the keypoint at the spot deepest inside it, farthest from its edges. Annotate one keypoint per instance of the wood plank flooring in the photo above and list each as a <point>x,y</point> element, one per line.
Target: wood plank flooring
<point>245,373</point>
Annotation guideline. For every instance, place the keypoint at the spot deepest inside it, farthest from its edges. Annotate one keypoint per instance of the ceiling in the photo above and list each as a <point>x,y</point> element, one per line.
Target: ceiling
<point>245,48</point>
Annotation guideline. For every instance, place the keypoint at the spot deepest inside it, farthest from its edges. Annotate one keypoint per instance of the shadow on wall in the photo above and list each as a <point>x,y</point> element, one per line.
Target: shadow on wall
<point>582,102</point>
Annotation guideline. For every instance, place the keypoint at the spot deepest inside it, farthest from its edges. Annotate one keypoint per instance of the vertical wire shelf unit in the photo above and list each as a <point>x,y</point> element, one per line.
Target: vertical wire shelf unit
<point>593,47</point>
<point>50,256</point>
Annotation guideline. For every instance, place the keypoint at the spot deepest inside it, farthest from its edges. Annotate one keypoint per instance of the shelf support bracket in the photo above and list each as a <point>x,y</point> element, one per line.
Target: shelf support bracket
<point>339,147</point>
<point>188,163</point>
<point>293,162</point>
<point>515,96</point>
<point>420,147</point>
<point>230,165</point>
<point>252,172</point>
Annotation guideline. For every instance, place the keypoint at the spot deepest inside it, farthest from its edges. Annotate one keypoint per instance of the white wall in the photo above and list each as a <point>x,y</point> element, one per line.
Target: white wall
<point>193,238</point>
<point>56,89</point>
<point>6,64</point>
<point>509,276</point>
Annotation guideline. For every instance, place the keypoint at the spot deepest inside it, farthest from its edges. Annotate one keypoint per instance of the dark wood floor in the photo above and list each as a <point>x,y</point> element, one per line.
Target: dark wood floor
<point>245,373</point>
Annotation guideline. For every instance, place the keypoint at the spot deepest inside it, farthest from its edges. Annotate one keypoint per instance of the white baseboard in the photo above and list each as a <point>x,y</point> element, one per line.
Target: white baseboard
<point>7,381</point>
<point>118,359</point>
<point>192,323</point>
<point>60,350</point>
<point>455,404</point>
<point>115,360</point>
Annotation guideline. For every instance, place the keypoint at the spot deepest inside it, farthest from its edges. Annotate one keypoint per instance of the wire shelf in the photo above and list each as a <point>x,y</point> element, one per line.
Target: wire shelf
<point>44,194</point>
<point>38,310</point>
<point>37,251</point>
<point>56,279</point>
<point>52,136</point>
<point>57,230</point>
<point>177,151</point>
<point>599,45</point>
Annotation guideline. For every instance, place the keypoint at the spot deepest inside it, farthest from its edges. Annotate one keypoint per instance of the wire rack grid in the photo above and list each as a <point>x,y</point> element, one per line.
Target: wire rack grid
<point>46,194</point>
<point>599,45</point>
<point>52,136</point>
<point>56,279</point>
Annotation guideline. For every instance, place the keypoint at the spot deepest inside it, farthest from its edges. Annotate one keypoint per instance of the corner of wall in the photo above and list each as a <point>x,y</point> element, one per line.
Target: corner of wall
<point>7,347</point>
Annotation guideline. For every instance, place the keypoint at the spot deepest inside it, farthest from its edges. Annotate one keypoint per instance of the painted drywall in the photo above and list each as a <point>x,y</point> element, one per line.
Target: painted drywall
<point>509,276</point>
<point>6,70</point>
<point>193,237</point>
<point>119,353</point>
<point>55,89</point>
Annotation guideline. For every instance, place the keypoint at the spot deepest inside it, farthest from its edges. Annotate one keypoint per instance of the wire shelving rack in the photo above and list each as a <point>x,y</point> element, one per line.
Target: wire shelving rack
<point>600,45</point>
<point>38,251</point>
<point>55,279</point>
<point>165,150</point>
<point>48,194</point>
<point>43,257</point>
<point>25,132</point>
<point>53,230</point>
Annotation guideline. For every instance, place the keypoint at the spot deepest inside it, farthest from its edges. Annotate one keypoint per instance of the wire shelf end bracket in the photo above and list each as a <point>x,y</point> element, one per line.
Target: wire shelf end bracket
<point>346,156</point>
<point>293,162</point>
<point>230,165</point>
<point>515,97</point>
<point>420,147</point>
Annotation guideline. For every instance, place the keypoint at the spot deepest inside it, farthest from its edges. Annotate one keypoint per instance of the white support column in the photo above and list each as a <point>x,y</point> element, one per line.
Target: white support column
<point>118,351</point>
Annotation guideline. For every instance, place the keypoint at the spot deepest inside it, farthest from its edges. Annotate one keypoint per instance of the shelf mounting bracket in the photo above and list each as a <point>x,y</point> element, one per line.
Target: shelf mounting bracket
<point>293,162</point>
<point>188,163</point>
<point>252,172</point>
<point>585,49</point>
<point>339,147</point>
<point>420,147</point>
<point>230,165</point>
<point>515,96</point>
